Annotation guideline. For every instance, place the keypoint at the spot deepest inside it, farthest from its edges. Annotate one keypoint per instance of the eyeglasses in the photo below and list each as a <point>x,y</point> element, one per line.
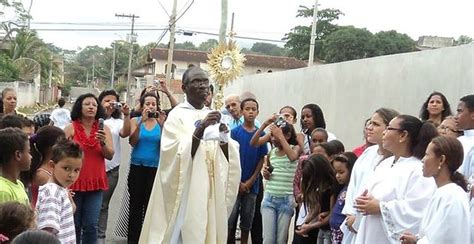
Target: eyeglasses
<point>445,128</point>
<point>397,129</point>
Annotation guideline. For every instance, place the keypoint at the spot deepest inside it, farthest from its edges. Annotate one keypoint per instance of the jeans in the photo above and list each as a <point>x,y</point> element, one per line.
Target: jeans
<point>276,215</point>
<point>112,177</point>
<point>256,231</point>
<point>245,207</point>
<point>324,237</point>
<point>140,184</point>
<point>86,217</point>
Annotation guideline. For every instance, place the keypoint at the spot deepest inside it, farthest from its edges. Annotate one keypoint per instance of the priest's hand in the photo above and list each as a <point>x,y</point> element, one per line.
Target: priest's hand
<point>408,238</point>
<point>367,204</point>
<point>211,118</point>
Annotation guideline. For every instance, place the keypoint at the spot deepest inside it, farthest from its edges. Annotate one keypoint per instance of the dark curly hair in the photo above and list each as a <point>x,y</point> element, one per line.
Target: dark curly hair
<point>317,114</point>
<point>116,114</point>
<point>16,218</point>
<point>76,111</point>
<point>11,140</point>
<point>425,115</point>
<point>41,143</point>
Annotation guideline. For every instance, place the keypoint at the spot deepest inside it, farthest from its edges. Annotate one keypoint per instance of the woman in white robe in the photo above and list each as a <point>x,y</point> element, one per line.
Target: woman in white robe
<point>398,193</point>
<point>447,218</point>
<point>364,168</point>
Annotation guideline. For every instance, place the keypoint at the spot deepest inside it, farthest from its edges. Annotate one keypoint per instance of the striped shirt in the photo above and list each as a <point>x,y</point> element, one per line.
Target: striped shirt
<point>281,180</point>
<point>54,210</point>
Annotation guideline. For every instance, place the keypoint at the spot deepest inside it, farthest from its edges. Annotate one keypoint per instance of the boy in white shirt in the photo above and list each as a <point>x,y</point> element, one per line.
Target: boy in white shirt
<point>55,208</point>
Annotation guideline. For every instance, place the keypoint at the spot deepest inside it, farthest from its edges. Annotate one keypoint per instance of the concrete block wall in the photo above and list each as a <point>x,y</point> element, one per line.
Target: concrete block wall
<point>349,92</point>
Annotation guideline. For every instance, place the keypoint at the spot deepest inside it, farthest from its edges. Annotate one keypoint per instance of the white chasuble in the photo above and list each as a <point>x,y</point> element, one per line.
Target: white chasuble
<point>192,197</point>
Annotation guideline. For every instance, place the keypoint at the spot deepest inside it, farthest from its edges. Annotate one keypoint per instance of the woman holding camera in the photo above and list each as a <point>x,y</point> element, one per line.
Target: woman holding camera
<point>145,139</point>
<point>120,128</point>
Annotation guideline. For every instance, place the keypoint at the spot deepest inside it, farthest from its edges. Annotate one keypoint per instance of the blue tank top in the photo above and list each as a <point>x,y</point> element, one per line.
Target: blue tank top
<point>147,150</point>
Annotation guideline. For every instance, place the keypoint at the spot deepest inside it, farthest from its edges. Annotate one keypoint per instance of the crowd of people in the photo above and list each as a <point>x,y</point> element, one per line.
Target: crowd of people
<point>198,175</point>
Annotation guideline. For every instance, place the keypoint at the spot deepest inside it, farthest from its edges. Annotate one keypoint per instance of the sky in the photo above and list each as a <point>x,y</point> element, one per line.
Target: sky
<point>267,19</point>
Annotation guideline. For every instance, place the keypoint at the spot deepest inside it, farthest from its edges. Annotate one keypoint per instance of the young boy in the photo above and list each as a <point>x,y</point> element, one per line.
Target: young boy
<point>54,208</point>
<point>251,161</point>
<point>14,158</point>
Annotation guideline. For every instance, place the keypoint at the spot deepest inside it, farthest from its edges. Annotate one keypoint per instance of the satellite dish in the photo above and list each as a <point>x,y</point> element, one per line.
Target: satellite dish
<point>7,13</point>
<point>28,68</point>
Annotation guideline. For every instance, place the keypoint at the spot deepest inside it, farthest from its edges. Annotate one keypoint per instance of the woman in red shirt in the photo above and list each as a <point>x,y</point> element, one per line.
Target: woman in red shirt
<point>96,144</point>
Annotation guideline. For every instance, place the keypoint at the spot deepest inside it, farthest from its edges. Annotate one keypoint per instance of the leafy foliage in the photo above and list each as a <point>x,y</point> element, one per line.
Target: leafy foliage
<point>463,39</point>
<point>348,43</point>
<point>185,46</point>
<point>208,45</point>
<point>391,42</point>
<point>8,72</point>
<point>267,49</point>
<point>341,43</point>
<point>299,37</point>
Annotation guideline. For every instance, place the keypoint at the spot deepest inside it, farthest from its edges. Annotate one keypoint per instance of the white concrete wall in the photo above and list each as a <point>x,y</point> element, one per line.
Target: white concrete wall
<point>350,92</point>
<point>26,92</point>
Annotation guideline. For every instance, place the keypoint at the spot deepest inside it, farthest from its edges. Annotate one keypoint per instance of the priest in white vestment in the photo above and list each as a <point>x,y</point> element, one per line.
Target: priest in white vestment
<point>198,176</point>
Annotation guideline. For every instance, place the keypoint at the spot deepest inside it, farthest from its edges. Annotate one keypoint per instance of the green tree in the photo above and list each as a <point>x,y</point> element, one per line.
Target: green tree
<point>298,39</point>
<point>27,44</point>
<point>463,39</point>
<point>267,49</point>
<point>348,43</point>
<point>391,42</point>
<point>8,71</point>
<point>185,46</point>
<point>208,45</point>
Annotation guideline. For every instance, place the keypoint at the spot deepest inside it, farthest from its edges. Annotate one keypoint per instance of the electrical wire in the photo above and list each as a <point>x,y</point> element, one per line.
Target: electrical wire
<point>163,7</point>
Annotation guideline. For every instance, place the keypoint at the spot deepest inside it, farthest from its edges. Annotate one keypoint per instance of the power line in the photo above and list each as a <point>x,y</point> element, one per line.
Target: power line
<point>165,30</point>
<point>90,23</point>
<point>96,29</point>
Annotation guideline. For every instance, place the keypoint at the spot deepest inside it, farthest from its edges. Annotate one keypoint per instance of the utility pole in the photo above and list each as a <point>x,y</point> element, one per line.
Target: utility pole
<point>87,78</point>
<point>169,66</point>
<point>131,40</point>
<point>50,77</point>
<point>113,68</point>
<point>223,27</point>
<point>93,70</point>
<point>313,34</point>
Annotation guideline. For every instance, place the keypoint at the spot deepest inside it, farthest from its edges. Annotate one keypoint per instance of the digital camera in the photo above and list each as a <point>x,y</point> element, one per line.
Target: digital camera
<point>116,105</point>
<point>153,114</point>
<point>280,121</point>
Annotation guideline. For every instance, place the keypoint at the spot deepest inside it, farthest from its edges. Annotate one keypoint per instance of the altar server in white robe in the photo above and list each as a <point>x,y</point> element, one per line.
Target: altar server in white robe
<point>364,168</point>
<point>465,122</point>
<point>197,179</point>
<point>446,220</point>
<point>398,193</point>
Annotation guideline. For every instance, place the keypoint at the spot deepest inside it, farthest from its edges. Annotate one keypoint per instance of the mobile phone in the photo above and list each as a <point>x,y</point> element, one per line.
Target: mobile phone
<point>101,124</point>
<point>270,169</point>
